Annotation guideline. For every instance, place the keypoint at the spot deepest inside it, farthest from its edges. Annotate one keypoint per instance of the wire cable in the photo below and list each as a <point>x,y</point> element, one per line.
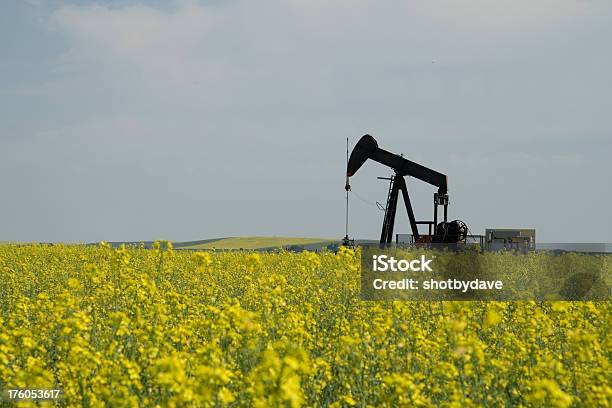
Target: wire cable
<point>377,204</point>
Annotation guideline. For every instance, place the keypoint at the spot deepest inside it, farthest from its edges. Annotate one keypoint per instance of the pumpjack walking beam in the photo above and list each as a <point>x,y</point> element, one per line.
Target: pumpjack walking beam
<point>367,148</point>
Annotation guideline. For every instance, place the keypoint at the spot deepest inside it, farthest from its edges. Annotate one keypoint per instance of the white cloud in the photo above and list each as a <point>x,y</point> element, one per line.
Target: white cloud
<point>138,39</point>
<point>241,44</point>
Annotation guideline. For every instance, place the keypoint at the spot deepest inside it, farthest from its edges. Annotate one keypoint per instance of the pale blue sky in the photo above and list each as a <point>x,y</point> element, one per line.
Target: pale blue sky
<point>134,120</point>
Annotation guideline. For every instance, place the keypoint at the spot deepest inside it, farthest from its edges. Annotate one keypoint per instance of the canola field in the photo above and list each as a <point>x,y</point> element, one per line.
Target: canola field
<point>137,327</point>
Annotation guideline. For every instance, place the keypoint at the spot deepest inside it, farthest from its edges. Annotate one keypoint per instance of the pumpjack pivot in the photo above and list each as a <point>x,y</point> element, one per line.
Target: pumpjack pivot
<point>443,232</point>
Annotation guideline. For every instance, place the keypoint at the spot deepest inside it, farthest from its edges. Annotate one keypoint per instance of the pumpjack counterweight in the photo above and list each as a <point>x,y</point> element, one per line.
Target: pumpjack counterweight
<point>443,232</point>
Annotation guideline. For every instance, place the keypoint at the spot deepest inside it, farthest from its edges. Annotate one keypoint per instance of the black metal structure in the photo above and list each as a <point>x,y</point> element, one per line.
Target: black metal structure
<point>443,232</point>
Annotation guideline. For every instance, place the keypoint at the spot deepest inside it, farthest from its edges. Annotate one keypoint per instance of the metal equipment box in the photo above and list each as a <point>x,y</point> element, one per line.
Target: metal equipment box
<point>498,239</point>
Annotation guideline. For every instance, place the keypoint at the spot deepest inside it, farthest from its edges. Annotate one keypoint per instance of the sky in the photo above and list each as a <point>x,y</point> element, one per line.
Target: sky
<point>185,120</point>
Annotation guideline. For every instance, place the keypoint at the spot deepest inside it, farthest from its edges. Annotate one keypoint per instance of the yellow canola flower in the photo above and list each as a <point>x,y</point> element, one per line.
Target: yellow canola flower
<point>138,327</point>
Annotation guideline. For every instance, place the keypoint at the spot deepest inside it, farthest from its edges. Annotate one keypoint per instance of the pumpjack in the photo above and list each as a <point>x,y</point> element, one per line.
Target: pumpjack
<point>444,232</point>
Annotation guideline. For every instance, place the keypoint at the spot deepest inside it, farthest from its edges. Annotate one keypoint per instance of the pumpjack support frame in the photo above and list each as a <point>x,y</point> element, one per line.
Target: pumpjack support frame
<point>398,184</point>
